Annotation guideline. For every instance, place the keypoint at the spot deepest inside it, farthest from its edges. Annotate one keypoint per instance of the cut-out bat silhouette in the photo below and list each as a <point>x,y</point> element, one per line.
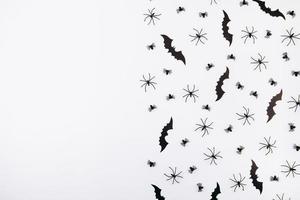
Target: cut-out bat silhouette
<point>257,184</point>
<point>273,13</point>
<point>228,36</point>
<point>216,192</point>
<point>157,192</point>
<point>171,49</point>
<point>162,139</point>
<point>220,82</point>
<point>272,104</point>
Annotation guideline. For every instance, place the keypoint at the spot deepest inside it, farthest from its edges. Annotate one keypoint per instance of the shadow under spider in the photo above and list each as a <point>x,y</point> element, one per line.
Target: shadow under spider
<point>213,155</point>
<point>245,116</point>
<point>204,127</point>
<point>268,146</point>
<point>174,175</point>
<point>190,93</point>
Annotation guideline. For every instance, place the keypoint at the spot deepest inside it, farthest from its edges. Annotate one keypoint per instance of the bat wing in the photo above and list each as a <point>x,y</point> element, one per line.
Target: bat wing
<point>168,45</point>
<point>157,192</point>
<point>215,193</point>
<point>272,104</point>
<point>274,13</point>
<point>228,36</point>
<point>257,184</point>
<point>162,139</point>
<point>220,82</point>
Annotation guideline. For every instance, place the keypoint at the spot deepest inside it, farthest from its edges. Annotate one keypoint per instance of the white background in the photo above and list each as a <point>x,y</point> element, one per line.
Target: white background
<point>73,119</point>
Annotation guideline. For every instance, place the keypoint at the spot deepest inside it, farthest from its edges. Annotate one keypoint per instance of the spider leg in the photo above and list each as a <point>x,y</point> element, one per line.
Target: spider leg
<point>245,39</point>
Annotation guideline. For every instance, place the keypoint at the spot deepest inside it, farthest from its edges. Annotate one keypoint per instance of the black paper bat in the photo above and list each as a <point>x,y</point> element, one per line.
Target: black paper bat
<point>273,13</point>
<point>220,82</point>
<point>272,104</point>
<point>157,192</point>
<point>162,139</point>
<point>171,49</point>
<point>258,185</point>
<point>228,36</point>
<point>215,193</point>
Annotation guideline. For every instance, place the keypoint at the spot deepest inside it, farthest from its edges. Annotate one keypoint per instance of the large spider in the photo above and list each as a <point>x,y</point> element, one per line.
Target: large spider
<point>281,198</point>
<point>148,82</point>
<point>246,116</point>
<point>268,146</point>
<point>204,127</point>
<point>295,102</point>
<point>291,169</point>
<point>259,62</point>
<point>213,155</point>
<point>173,176</point>
<point>249,34</point>
<point>290,37</point>
<point>190,93</point>
<point>198,36</point>
<point>238,183</point>
<point>151,16</point>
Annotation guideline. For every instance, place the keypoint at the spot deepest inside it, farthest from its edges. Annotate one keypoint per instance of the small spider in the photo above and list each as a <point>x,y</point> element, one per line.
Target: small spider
<point>240,149</point>
<point>295,102</point>
<point>198,36</point>
<point>280,198</point>
<point>213,1</point>
<point>228,129</point>
<point>249,34</point>
<point>148,82</point>
<point>209,66</point>
<point>204,127</point>
<point>244,3</point>
<point>239,86</point>
<point>180,9</point>
<point>296,147</point>
<point>190,93</point>
<point>292,127</point>
<point>206,107</point>
<point>152,107</point>
<point>192,169</point>
<point>151,15</point>
<point>290,37</point>
<point>203,14</point>
<point>151,46</point>
<point>285,56</point>
<point>184,142</point>
<point>291,13</point>
<point>254,93</point>
<point>295,73</point>
<point>268,34</point>
<point>231,57</point>
<point>272,82</point>
<point>173,176</point>
<point>200,187</point>
<point>259,62</point>
<point>238,183</point>
<point>268,146</point>
<point>170,96</point>
<point>151,163</point>
<point>246,116</point>
<point>291,169</point>
<point>167,71</point>
<point>213,156</point>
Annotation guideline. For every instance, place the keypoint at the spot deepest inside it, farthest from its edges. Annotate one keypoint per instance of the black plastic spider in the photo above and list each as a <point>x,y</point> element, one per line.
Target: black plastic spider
<point>184,142</point>
<point>173,176</point>
<point>198,36</point>
<point>190,93</point>
<point>180,9</point>
<point>280,198</point>
<point>200,187</point>
<point>192,169</point>
<point>290,37</point>
<point>268,146</point>
<point>246,116</point>
<point>292,127</point>
<point>206,107</point>
<point>268,34</point>
<point>285,56</point>
<point>238,183</point>
<point>249,34</point>
<point>148,82</point>
<point>209,66</point>
<point>152,16</point>
<point>295,102</point>
<point>291,169</point>
<point>259,62</point>
<point>213,155</point>
<point>228,129</point>
<point>291,13</point>
<point>204,127</point>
